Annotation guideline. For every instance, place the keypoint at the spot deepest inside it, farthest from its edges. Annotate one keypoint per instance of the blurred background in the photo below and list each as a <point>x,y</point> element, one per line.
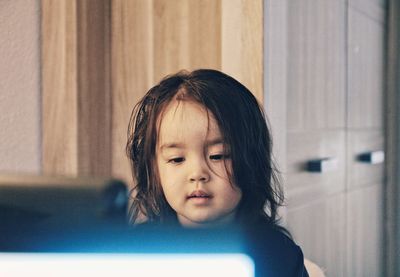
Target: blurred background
<point>326,72</point>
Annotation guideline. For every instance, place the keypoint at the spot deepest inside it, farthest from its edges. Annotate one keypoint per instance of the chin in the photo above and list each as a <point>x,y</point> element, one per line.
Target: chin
<point>205,223</point>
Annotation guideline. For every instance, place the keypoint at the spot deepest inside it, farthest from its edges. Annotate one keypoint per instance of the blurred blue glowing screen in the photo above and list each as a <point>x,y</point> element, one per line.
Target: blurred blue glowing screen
<point>44,264</point>
<point>56,226</point>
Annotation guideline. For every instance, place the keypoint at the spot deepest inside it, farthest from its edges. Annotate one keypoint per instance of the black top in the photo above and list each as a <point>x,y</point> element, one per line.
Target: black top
<point>274,253</point>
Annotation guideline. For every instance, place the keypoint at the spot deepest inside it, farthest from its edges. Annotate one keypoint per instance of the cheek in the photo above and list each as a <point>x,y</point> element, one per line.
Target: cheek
<point>235,195</point>
<point>161,169</point>
<point>222,170</point>
<point>231,194</point>
<point>167,178</point>
<point>224,173</point>
<point>162,174</point>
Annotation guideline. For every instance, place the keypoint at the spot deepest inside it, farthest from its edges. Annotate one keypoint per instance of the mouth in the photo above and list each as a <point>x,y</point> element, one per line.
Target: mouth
<point>199,194</point>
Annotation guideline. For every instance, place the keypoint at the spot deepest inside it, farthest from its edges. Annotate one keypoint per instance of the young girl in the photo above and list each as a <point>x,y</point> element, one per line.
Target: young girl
<point>200,151</point>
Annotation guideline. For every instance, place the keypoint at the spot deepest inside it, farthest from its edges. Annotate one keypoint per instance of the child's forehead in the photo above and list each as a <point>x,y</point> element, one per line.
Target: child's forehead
<point>177,110</point>
<point>181,118</point>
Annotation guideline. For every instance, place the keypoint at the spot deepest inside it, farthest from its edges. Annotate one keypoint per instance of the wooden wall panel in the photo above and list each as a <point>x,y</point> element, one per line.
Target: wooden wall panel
<point>132,71</point>
<point>242,43</point>
<point>59,87</point>
<point>101,56</point>
<point>171,36</point>
<point>187,35</point>
<point>94,95</point>
<point>151,39</point>
<point>76,87</point>
<point>205,34</point>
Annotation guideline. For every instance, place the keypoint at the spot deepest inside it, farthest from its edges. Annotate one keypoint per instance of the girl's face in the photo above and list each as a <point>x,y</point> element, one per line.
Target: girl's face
<point>191,165</point>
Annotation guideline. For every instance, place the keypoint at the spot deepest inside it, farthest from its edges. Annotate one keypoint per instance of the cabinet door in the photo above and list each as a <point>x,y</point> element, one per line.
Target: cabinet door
<point>365,136</point>
<point>364,231</point>
<point>316,120</point>
<point>365,158</point>
<point>304,185</point>
<point>365,68</point>
<point>315,96</point>
<point>319,228</point>
<point>316,65</point>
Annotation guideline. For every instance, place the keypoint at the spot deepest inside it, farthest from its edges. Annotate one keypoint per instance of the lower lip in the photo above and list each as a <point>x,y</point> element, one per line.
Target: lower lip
<point>200,200</point>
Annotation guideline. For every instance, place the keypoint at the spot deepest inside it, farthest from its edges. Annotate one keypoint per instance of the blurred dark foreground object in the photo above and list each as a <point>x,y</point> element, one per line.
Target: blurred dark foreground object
<point>88,215</point>
<point>53,225</point>
<point>30,203</point>
<point>123,251</point>
<point>60,214</point>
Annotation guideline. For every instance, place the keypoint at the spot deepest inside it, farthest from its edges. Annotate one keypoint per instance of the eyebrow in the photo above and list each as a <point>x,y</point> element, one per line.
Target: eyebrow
<point>215,142</point>
<point>173,145</point>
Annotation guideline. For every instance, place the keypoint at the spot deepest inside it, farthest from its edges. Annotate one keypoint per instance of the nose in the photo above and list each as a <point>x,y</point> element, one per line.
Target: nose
<point>199,172</point>
<point>199,178</point>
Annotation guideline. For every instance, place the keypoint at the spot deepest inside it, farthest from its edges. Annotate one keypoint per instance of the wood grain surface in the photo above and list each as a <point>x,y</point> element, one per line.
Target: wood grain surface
<point>316,65</point>
<point>321,232</point>
<point>59,87</point>
<point>76,87</point>
<point>152,39</point>
<point>100,57</point>
<point>366,71</point>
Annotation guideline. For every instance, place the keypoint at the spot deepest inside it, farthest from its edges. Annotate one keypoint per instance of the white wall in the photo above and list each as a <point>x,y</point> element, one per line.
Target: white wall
<point>20,133</point>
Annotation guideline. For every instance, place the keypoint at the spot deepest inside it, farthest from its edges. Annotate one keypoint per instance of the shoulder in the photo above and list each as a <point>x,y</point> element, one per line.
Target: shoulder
<point>274,252</point>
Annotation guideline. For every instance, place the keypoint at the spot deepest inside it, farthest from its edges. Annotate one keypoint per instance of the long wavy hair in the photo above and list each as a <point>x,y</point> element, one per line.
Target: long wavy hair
<point>244,130</point>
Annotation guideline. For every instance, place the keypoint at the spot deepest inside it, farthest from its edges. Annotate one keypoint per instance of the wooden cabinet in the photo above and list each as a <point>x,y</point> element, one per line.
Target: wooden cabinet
<point>319,226</point>
<point>316,120</point>
<point>316,65</point>
<point>364,231</point>
<point>333,109</point>
<point>365,134</point>
<point>303,147</point>
<point>363,173</point>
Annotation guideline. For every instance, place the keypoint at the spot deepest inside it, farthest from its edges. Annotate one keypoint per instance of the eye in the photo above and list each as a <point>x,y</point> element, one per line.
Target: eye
<point>218,157</point>
<point>176,160</point>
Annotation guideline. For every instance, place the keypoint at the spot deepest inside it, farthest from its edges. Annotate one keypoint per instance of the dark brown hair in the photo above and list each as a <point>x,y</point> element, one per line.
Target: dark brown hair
<point>244,129</point>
